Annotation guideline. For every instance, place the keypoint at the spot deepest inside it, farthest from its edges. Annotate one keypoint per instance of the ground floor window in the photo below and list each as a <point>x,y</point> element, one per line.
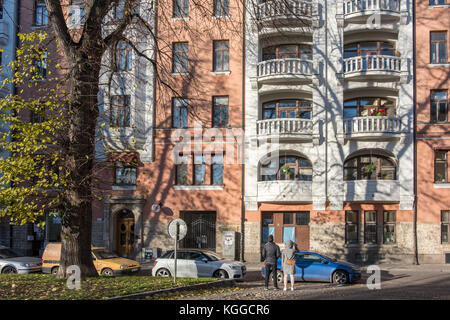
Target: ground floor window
<point>370,227</point>
<point>351,227</point>
<point>445,222</point>
<point>388,227</point>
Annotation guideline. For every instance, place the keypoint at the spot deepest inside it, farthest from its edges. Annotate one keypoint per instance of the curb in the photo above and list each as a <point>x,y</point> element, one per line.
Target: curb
<point>219,283</point>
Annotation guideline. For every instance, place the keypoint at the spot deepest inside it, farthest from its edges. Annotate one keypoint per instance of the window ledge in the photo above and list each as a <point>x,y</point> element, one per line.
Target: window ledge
<point>215,73</point>
<point>36,27</point>
<point>442,185</point>
<point>202,187</point>
<point>177,74</point>
<point>436,65</point>
<point>437,6</point>
<point>221,17</point>
<point>180,19</point>
<point>123,188</point>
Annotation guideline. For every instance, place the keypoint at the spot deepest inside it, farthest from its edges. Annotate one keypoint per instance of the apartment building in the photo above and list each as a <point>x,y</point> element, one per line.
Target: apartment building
<point>433,129</point>
<point>195,93</point>
<point>329,127</point>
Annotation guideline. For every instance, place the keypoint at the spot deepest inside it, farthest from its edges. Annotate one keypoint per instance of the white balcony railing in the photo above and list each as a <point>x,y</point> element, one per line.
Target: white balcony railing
<point>372,125</point>
<point>288,66</point>
<point>285,190</point>
<point>285,9</point>
<point>284,126</point>
<point>372,63</point>
<point>360,6</point>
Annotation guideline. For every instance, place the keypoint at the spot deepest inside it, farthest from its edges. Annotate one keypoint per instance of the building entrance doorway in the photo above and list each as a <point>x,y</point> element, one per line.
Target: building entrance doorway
<point>125,232</point>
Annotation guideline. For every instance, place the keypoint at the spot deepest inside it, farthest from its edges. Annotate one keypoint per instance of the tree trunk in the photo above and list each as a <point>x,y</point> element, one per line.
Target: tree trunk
<point>79,148</point>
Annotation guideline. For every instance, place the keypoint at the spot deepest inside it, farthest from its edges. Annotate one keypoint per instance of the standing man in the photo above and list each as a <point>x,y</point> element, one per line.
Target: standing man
<point>270,254</point>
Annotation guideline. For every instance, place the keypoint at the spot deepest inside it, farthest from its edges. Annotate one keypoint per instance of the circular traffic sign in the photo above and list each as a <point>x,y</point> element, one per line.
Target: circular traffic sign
<point>182,228</point>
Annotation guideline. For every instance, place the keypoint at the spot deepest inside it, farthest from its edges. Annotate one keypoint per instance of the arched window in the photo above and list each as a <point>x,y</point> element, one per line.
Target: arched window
<point>370,167</point>
<point>361,107</point>
<point>300,109</point>
<point>287,167</point>
<point>286,51</point>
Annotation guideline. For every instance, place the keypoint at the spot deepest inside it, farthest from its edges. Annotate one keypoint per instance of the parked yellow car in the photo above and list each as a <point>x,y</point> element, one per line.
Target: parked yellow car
<point>107,263</point>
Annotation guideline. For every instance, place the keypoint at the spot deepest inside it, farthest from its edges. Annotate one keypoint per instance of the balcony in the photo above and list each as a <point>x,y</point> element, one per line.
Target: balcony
<point>372,190</point>
<point>285,129</point>
<point>356,10</point>
<point>284,191</point>
<point>279,70</point>
<point>374,67</point>
<point>367,128</point>
<point>288,14</point>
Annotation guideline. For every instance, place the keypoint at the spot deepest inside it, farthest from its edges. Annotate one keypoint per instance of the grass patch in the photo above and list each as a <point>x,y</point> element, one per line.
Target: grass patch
<point>47,287</point>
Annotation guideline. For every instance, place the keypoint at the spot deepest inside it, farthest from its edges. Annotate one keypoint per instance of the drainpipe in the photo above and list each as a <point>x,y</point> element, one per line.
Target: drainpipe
<point>244,11</point>
<point>416,249</point>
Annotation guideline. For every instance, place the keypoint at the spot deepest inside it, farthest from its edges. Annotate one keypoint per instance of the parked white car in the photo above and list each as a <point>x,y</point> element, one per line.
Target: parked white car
<point>11,262</point>
<point>198,263</point>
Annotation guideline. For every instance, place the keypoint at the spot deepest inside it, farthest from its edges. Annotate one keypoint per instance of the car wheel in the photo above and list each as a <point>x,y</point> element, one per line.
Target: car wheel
<point>107,272</point>
<point>221,274</point>
<point>9,270</point>
<point>163,273</point>
<point>340,277</point>
<point>280,276</point>
<point>55,270</point>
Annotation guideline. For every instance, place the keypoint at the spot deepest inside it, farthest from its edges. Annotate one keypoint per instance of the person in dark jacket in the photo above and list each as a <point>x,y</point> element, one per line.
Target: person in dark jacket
<point>270,254</point>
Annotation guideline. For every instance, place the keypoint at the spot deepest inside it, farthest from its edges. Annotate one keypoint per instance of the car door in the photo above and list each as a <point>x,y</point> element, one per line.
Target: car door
<point>183,269</point>
<point>316,269</point>
<point>299,267</point>
<point>204,267</point>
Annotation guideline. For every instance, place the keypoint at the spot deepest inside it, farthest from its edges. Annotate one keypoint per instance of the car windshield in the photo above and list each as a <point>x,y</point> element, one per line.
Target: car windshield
<point>212,256</point>
<point>103,254</point>
<point>8,253</point>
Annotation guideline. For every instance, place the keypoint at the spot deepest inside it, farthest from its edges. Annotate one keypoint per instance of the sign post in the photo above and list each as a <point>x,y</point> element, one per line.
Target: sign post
<point>177,230</point>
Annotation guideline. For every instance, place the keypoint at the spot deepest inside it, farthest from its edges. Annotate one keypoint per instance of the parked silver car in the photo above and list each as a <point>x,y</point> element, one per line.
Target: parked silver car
<point>11,262</point>
<point>197,263</point>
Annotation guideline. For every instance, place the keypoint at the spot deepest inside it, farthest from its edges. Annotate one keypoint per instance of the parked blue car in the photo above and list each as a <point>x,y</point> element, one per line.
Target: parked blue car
<point>312,266</point>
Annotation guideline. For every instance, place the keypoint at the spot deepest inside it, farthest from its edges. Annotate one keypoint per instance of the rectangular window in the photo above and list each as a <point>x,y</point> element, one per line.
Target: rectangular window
<point>221,55</point>
<point>439,106</point>
<point>180,57</point>
<point>199,169</point>
<point>217,170</point>
<point>182,174</point>
<point>124,55</point>
<point>438,47</point>
<point>370,227</point>
<point>125,174</point>
<point>179,113</point>
<point>440,166</point>
<point>437,2</point>
<point>76,12</point>
<point>40,13</point>
<point>220,112</point>
<point>221,8</point>
<point>120,111</point>
<point>302,218</point>
<point>445,222</point>
<point>41,67</point>
<point>180,8</point>
<point>389,227</point>
<point>351,227</point>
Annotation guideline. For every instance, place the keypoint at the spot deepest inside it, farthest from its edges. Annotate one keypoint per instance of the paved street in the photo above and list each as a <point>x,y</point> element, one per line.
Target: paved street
<point>398,282</point>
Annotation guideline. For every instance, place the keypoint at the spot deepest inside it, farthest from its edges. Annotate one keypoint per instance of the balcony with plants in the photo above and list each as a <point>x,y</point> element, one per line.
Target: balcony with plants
<point>371,118</point>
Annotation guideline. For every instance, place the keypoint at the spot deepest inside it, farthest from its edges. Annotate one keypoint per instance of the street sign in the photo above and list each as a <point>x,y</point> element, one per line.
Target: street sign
<point>177,230</point>
<point>182,229</point>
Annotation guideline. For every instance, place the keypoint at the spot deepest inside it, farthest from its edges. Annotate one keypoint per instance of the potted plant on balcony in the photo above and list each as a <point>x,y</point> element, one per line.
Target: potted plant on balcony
<point>370,168</point>
<point>285,169</point>
<point>379,112</point>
